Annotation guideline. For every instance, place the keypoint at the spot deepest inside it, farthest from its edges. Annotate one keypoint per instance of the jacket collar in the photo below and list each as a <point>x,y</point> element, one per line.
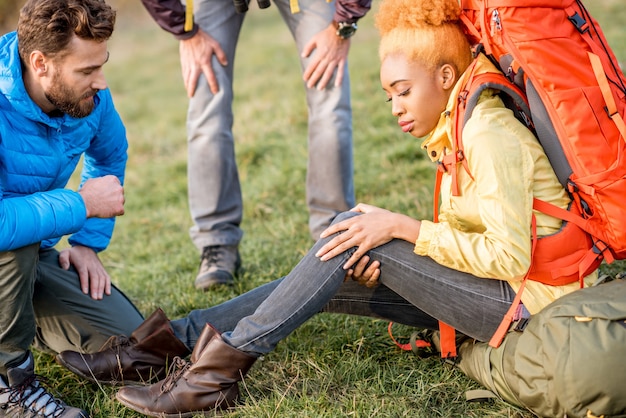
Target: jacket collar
<point>439,140</point>
<point>13,89</point>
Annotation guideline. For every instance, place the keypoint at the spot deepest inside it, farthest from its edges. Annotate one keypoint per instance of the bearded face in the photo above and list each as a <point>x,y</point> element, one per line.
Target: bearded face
<point>67,100</point>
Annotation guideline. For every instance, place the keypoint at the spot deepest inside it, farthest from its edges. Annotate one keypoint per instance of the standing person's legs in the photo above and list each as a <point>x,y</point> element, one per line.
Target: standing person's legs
<point>68,319</point>
<point>329,183</point>
<point>215,200</point>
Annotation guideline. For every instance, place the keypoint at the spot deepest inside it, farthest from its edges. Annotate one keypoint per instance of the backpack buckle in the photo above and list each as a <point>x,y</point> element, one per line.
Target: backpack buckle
<point>579,23</point>
<point>450,360</point>
<point>463,98</point>
<point>521,324</point>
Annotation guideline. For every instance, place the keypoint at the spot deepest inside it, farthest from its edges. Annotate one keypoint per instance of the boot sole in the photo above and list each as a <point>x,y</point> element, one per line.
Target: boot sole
<point>93,379</point>
<point>216,412</point>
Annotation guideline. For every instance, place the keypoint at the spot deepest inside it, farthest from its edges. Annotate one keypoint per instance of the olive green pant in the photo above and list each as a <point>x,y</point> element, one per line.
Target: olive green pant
<point>570,360</point>
<point>42,305</point>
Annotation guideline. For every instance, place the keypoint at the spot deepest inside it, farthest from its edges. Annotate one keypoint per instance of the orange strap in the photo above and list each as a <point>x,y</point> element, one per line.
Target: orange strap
<point>598,47</point>
<point>470,27</point>
<point>560,213</point>
<point>414,345</point>
<point>598,70</point>
<point>502,330</point>
<point>498,336</point>
<point>448,341</point>
<point>438,176</point>
<point>509,317</point>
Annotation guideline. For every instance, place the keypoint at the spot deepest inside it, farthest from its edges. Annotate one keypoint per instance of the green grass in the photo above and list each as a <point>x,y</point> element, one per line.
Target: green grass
<point>335,365</point>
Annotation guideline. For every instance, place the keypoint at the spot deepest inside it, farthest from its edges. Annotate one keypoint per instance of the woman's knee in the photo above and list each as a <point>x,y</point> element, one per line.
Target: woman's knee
<point>345,215</point>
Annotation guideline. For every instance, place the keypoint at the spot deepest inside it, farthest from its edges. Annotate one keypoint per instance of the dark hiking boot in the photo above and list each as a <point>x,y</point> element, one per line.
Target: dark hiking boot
<point>218,266</point>
<point>142,358</point>
<point>22,396</point>
<point>206,384</point>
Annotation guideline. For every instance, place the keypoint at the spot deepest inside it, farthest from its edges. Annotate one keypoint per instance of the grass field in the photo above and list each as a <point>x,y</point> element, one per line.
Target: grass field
<point>333,366</point>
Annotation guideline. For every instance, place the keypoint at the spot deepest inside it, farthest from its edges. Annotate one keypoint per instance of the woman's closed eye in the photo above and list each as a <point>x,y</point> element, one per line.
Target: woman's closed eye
<point>402,93</point>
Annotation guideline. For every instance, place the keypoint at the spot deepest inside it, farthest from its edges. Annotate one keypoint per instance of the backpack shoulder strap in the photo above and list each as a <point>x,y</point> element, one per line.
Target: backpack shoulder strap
<point>513,98</point>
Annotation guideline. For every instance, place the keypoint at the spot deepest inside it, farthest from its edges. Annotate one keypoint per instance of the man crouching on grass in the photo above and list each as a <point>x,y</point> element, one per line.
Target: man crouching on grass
<point>54,109</point>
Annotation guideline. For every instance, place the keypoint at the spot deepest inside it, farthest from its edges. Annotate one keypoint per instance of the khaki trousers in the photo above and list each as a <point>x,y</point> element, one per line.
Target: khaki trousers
<point>42,305</point>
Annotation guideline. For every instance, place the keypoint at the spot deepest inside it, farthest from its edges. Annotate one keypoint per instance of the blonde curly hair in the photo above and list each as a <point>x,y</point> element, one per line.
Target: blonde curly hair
<point>426,31</point>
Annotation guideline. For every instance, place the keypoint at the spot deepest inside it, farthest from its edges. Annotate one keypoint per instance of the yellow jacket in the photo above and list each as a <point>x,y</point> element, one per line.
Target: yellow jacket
<point>485,231</point>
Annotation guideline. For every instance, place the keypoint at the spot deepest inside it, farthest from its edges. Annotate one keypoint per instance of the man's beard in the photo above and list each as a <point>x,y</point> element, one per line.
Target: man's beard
<point>61,96</point>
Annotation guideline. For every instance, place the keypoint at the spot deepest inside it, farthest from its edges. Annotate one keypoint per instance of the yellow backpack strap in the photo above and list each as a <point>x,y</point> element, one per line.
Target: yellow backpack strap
<point>295,7</point>
<point>293,4</point>
<point>189,16</point>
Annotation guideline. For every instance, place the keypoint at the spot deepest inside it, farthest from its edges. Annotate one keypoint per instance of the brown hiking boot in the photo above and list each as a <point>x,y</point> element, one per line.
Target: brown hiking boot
<point>22,396</point>
<point>139,359</point>
<point>206,384</point>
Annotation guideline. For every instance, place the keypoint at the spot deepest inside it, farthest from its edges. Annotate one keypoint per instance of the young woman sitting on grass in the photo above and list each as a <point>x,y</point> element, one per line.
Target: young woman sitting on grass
<point>464,270</point>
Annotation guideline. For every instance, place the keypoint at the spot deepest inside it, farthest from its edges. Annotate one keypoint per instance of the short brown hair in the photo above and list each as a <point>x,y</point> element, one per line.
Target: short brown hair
<point>49,25</point>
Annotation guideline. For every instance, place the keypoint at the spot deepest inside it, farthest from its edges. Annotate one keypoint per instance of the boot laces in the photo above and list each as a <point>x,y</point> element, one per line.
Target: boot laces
<point>116,342</point>
<point>29,395</point>
<point>210,255</point>
<point>175,372</point>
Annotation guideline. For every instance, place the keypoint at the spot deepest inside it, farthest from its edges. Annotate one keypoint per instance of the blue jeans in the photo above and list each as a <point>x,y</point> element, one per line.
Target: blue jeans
<point>414,290</point>
<point>214,190</point>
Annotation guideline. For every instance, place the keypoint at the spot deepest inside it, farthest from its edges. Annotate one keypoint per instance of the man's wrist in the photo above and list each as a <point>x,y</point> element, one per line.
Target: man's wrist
<point>345,30</point>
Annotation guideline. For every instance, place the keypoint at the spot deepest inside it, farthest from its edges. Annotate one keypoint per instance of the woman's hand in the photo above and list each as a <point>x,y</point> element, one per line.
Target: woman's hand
<point>374,228</point>
<point>364,272</point>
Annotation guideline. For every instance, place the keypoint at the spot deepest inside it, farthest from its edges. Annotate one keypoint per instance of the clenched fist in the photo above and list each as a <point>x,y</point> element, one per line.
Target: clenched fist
<point>103,197</point>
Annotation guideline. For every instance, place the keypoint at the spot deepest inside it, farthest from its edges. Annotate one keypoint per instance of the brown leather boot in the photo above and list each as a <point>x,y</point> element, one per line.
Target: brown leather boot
<point>206,384</point>
<point>139,359</point>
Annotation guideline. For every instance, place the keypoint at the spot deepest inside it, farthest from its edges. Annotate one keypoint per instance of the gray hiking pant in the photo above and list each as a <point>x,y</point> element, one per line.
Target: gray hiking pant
<point>215,199</point>
<point>42,305</point>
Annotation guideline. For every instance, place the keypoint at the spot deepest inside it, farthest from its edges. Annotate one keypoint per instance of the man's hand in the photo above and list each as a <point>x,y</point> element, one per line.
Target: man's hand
<point>331,52</point>
<point>103,197</point>
<point>93,278</point>
<point>196,54</point>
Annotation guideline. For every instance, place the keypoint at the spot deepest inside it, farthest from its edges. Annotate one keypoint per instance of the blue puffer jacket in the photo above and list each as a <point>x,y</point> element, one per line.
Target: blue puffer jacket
<point>38,154</point>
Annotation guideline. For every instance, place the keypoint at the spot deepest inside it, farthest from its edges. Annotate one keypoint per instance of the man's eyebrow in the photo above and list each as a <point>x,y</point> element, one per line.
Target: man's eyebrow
<point>95,67</point>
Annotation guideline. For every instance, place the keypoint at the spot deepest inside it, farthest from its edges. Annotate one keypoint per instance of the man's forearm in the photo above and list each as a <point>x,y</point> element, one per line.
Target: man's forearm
<point>350,11</point>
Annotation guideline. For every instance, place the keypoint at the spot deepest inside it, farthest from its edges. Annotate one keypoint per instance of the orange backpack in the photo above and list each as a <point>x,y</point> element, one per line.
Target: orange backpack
<point>564,82</point>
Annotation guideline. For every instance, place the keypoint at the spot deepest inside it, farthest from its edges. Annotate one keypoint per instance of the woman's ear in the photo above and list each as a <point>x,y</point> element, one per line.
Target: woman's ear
<point>448,76</point>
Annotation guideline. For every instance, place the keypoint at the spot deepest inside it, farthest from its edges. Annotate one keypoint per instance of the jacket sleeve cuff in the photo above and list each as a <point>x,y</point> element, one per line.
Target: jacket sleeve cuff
<point>187,35</point>
<point>422,245</point>
<point>350,11</point>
